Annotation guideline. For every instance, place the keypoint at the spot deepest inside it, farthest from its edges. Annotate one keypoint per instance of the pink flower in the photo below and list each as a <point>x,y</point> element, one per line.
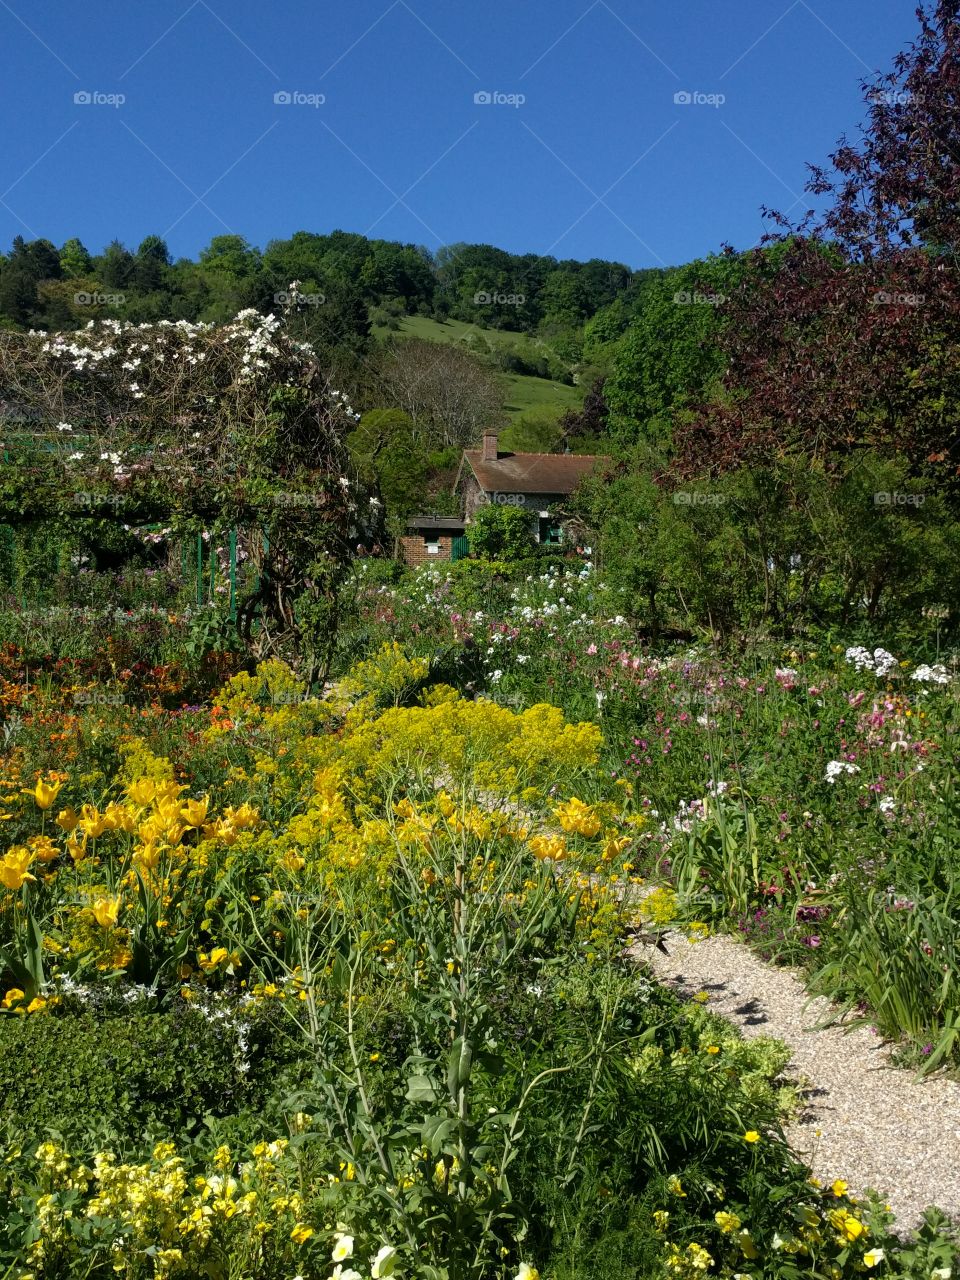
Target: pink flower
<point>591,649</point>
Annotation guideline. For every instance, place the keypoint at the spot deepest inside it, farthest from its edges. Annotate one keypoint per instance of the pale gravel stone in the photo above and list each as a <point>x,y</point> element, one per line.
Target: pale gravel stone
<point>864,1120</point>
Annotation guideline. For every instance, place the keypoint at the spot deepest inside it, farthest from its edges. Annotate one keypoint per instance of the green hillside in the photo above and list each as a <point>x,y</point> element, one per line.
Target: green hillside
<point>533,404</point>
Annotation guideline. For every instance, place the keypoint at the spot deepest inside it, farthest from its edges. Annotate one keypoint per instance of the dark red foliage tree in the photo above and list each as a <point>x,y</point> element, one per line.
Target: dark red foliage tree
<point>847,326</point>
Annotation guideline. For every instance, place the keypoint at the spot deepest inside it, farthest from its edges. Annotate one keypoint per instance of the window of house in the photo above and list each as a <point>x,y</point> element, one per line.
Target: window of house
<point>432,546</point>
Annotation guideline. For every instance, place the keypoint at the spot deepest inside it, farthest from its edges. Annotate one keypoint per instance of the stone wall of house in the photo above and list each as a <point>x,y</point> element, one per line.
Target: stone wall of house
<point>473,496</point>
<point>414,549</point>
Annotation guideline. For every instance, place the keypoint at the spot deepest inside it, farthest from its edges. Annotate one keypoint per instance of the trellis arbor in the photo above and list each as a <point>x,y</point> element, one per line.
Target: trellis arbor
<point>198,429</point>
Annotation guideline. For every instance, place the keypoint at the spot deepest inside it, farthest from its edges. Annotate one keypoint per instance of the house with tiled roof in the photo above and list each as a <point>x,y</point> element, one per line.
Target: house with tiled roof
<point>539,483</point>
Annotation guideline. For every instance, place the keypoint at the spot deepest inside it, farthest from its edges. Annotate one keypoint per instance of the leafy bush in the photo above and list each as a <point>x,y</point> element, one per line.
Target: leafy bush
<point>501,533</point>
<point>125,1073</point>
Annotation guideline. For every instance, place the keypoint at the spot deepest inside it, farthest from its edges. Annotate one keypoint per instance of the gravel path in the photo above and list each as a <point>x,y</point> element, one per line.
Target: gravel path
<point>864,1120</point>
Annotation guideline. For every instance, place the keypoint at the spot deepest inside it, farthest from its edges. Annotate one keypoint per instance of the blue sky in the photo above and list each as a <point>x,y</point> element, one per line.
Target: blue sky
<point>584,151</point>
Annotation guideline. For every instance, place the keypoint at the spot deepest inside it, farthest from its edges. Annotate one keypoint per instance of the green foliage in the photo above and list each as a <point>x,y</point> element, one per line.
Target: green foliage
<point>501,533</point>
<point>780,546</point>
<point>122,1073</point>
<point>668,358</point>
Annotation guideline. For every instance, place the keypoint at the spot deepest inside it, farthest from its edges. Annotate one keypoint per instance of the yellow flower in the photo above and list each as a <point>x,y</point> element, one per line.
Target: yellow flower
<point>92,821</point>
<point>13,996</point>
<point>661,1218</point>
<point>43,848</point>
<point>142,791</point>
<point>552,847</point>
<point>577,817</point>
<point>13,868</point>
<point>44,793</point>
<point>105,912</point>
<point>727,1222</point>
<point>697,1258</point>
<point>848,1226</point>
<point>77,849</point>
<point>747,1246</point>
<point>217,957</point>
<point>194,812</point>
<point>36,1004</point>
<point>713,1048</point>
<point>751,1136</point>
<point>67,819</point>
<point>872,1257</point>
<point>674,1187</point>
<point>839,1188</point>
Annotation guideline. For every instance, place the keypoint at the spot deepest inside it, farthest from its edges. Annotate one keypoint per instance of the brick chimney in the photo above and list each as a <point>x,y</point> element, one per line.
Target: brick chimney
<point>490,450</point>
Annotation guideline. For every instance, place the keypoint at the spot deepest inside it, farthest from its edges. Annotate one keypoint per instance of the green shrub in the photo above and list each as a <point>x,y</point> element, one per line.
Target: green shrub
<point>501,533</point>
<point>85,1075</point>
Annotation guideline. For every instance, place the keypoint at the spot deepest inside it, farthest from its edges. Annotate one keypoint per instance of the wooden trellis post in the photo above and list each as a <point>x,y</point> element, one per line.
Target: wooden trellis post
<point>233,575</point>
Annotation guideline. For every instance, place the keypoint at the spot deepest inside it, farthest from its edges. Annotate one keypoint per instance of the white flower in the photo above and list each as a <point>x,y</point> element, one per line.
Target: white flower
<point>527,1272</point>
<point>887,804</point>
<point>384,1263</point>
<point>836,767</point>
<point>349,1274</point>
<point>342,1248</point>
<point>937,674</point>
<point>64,426</point>
<point>873,1256</point>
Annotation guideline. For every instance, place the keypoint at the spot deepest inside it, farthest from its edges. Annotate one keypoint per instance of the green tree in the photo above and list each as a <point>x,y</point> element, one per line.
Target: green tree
<point>385,452</point>
<point>74,259</point>
<point>669,358</point>
<point>501,533</point>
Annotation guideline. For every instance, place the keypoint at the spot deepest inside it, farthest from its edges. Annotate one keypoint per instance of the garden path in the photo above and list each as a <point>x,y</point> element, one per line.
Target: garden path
<point>864,1120</point>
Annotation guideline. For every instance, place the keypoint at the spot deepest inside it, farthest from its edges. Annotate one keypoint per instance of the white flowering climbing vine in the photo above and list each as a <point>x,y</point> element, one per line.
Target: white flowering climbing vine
<point>198,428</point>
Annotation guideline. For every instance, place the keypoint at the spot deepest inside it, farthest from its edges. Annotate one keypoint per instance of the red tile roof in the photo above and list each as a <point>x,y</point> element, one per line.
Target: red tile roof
<point>558,473</point>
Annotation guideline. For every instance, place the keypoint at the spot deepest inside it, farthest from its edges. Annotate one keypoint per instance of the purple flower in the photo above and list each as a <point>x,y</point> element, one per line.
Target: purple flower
<point>813,941</point>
